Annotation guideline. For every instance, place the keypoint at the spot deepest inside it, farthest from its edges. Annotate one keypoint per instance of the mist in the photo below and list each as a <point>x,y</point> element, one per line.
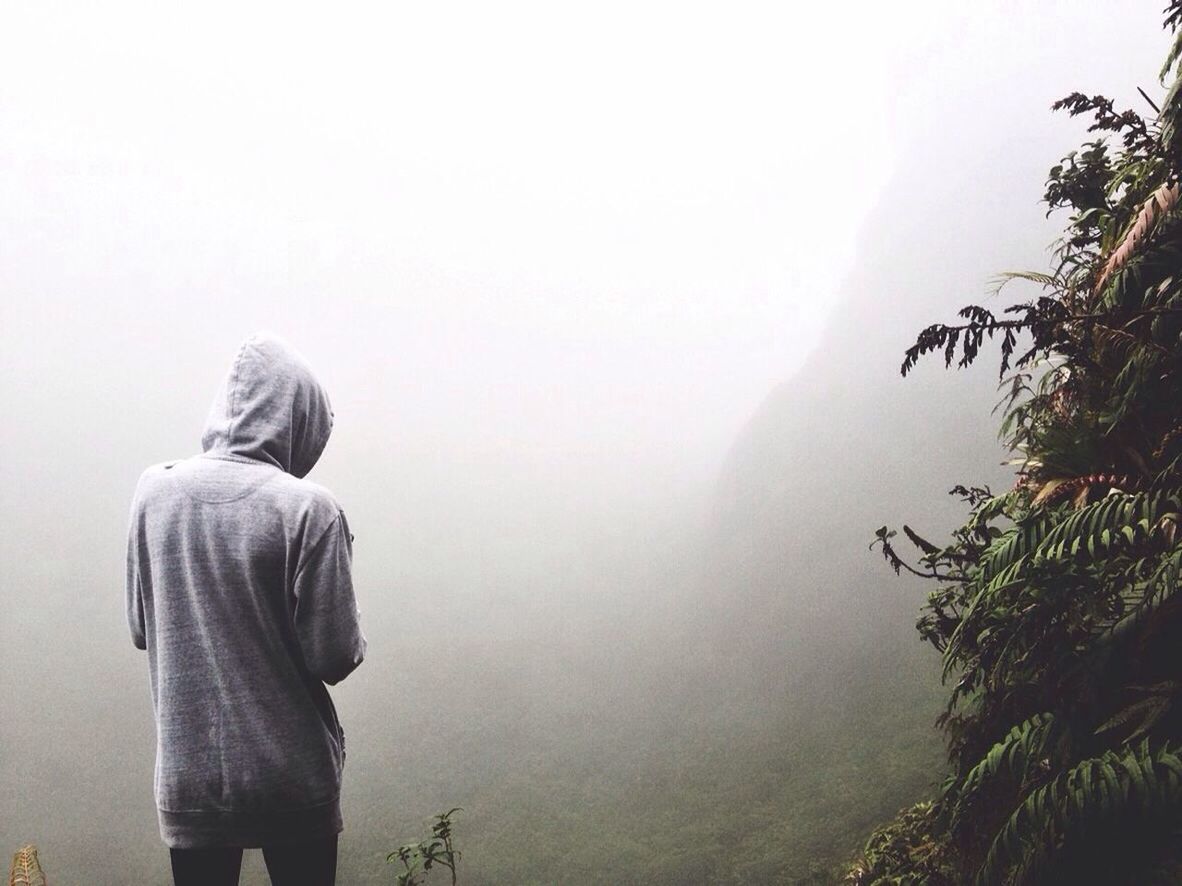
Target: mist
<point>610,304</point>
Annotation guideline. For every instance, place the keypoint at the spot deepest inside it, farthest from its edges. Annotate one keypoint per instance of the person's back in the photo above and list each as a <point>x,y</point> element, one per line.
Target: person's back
<point>239,589</point>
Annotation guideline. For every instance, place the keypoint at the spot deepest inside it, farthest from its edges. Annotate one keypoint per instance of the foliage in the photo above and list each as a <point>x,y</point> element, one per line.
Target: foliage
<point>1064,830</point>
<point>1056,610</point>
<point>419,858</point>
<point>26,868</point>
<point>904,852</point>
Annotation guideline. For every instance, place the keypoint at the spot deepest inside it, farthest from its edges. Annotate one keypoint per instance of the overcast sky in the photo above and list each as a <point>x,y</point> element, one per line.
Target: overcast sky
<point>556,235</point>
<point>536,228</point>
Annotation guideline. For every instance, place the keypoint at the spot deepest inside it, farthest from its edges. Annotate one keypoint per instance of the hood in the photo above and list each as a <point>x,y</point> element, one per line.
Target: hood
<point>271,408</point>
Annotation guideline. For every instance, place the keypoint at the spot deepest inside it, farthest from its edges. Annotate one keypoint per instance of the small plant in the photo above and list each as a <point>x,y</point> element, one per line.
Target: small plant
<point>419,858</point>
<point>26,868</point>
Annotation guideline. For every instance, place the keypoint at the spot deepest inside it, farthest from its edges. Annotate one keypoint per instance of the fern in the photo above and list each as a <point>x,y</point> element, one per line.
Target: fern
<point>1159,203</point>
<point>26,868</point>
<point>1141,600</point>
<point>1013,758</point>
<point>1057,610</point>
<point>1118,520</point>
<point>1141,785</point>
<point>1138,718</point>
<point>1013,547</point>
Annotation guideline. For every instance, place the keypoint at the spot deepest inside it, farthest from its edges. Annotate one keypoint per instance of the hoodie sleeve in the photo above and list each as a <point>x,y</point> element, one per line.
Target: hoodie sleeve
<point>132,590</point>
<point>327,622</point>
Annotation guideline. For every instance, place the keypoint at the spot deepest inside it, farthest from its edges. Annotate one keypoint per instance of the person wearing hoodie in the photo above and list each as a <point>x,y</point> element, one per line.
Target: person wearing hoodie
<point>239,588</point>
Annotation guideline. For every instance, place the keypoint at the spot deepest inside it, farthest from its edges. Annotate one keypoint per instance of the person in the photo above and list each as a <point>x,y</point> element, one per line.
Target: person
<point>239,587</point>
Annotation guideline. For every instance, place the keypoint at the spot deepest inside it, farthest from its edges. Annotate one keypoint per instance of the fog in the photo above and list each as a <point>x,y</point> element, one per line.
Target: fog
<point>610,303</point>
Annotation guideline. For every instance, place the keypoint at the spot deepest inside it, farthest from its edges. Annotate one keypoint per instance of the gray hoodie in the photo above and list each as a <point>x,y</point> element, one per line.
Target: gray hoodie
<point>239,588</point>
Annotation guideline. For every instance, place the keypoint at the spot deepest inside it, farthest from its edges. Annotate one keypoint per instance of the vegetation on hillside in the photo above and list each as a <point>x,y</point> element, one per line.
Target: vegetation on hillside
<point>1055,607</point>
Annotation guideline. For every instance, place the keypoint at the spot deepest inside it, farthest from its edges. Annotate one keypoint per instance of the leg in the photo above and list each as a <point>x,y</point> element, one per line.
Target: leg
<point>216,866</point>
<point>312,863</point>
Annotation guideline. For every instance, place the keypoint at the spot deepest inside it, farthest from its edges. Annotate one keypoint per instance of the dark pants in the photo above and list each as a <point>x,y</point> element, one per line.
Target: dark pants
<point>313,863</point>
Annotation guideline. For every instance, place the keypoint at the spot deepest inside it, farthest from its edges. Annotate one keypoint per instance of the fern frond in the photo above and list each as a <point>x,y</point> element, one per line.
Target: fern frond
<point>1143,599</point>
<point>1171,57</point>
<point>1119,519</point>
<point>1012,758</point>
<point>1123,346</point>
<point>1159,203</point>
<point>1047,281</point>
<point>1139,717</point>
<point>26,868</point>
<point>1012,546</point>
<point>1138,783</point>
<point>1063,487</point>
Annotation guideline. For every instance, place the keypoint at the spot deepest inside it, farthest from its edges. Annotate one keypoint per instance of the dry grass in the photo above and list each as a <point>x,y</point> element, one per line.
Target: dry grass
<point>26,869</point>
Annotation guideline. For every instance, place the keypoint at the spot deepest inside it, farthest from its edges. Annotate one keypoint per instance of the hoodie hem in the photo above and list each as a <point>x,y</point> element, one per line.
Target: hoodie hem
<point>249,830</point>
